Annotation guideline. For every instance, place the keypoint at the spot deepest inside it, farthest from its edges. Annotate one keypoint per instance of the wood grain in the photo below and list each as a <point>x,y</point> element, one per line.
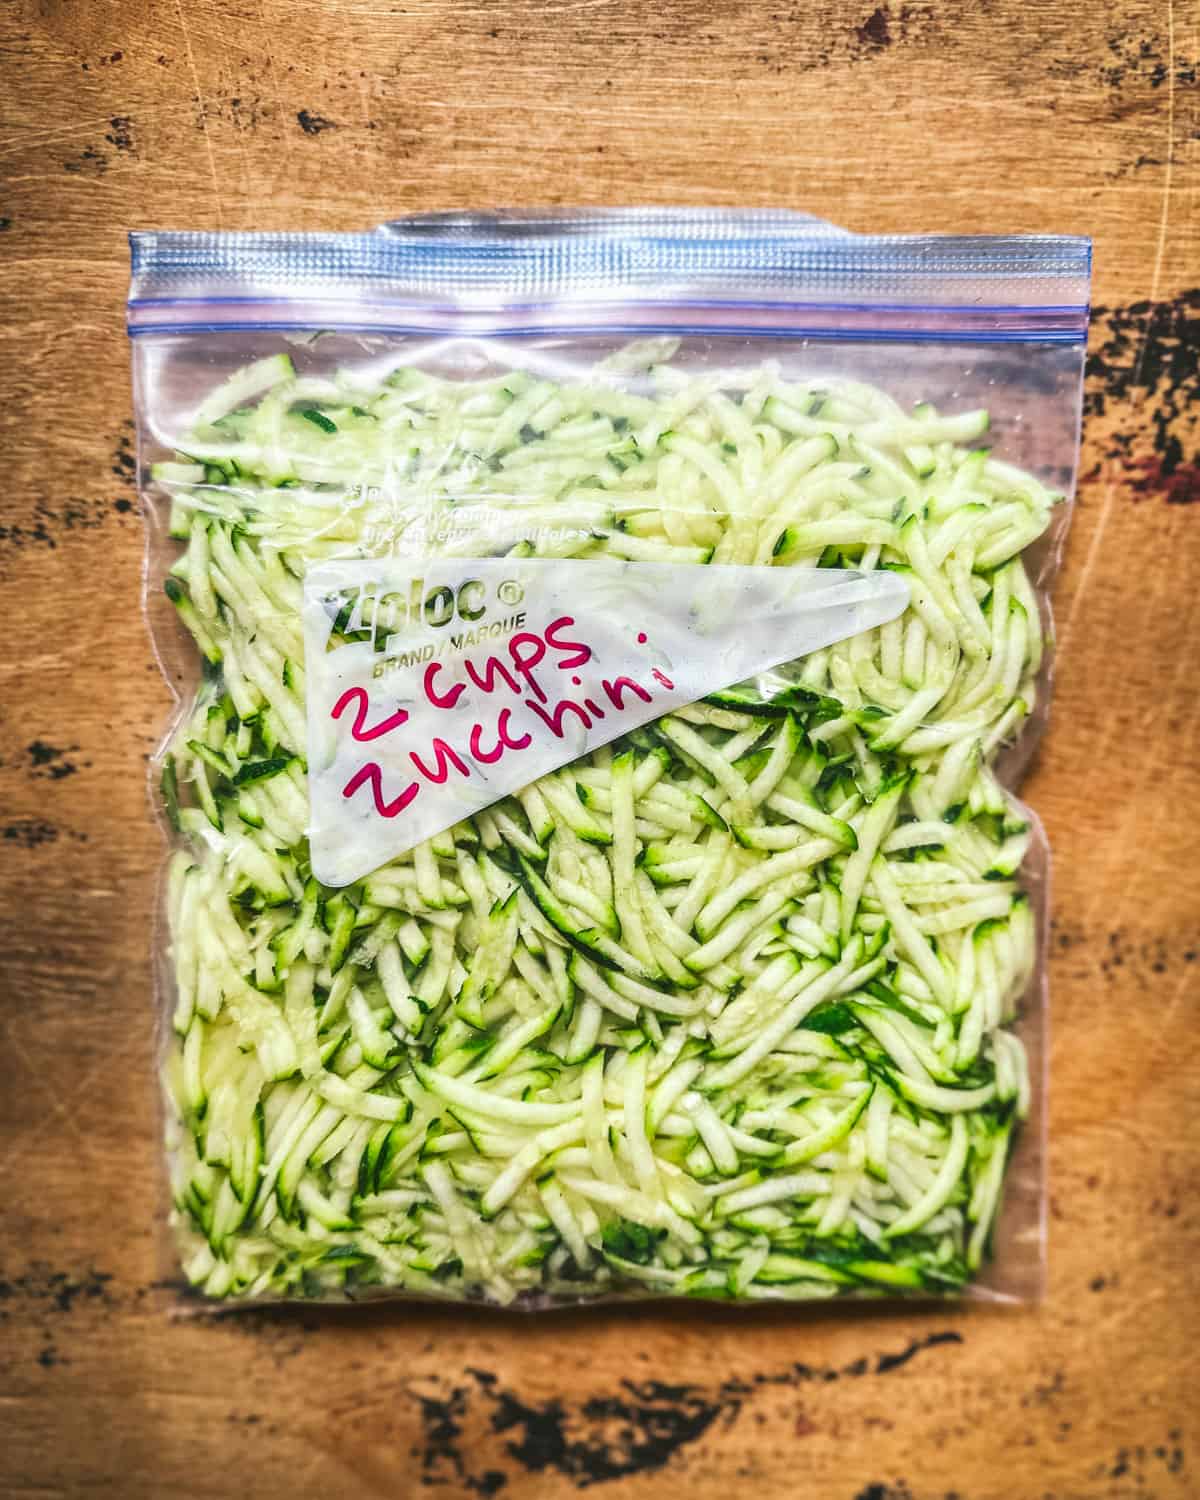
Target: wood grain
<point>955,114</point>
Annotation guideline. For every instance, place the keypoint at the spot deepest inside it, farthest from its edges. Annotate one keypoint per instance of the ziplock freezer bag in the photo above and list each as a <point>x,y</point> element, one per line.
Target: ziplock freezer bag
<point>605,645</point>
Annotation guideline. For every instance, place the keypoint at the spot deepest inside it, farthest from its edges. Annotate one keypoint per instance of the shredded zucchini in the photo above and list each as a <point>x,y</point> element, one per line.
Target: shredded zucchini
<point>722,1010</point>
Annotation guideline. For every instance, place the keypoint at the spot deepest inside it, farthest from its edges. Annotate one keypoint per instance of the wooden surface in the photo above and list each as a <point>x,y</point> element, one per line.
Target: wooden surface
<point>974,115</point>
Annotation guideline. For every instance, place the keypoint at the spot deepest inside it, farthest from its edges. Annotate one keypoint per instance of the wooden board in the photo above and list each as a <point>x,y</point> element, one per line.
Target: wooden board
<point>952,114</point>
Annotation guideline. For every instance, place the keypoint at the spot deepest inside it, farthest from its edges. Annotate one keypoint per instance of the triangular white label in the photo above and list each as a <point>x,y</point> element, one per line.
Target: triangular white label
<point>437,688</point>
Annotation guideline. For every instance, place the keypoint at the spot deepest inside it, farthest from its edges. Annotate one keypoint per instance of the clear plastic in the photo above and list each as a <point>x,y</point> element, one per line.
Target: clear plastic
<point>717,1009</point>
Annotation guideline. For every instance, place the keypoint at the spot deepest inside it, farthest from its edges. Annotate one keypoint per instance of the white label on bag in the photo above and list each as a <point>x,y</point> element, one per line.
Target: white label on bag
<point>447,685</point>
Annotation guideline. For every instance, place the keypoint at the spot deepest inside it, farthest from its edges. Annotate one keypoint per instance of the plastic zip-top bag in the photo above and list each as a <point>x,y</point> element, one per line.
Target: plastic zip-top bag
<point>605,647</point>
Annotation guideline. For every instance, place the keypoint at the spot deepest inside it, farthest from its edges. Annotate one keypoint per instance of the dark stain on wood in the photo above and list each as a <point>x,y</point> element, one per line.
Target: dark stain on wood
<point>120,133</point>
<point>1143,389</point>
<point>636,1429</point>
<point>875,33</point>
<point>47,524</point>
<point>90,162</point>
<point>29,833</point>
<point>1138,1463</point>
<point>124,459</point>
<point>1141,957</point>
<point>313,124</point>
<point>58,1290</point>
<point>49,762</point>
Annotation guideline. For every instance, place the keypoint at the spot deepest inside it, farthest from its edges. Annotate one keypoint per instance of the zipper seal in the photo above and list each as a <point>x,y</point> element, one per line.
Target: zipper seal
<point>627,271</point>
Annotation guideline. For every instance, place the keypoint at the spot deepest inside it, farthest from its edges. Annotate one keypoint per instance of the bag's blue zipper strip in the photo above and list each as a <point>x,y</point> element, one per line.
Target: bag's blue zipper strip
<point>618,272</point>
<point>639,330</point>
<point>684,304</point>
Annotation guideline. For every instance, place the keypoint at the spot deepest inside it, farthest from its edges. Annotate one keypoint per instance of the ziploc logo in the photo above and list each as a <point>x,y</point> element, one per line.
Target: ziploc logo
<point>435,690</point>
<point>369,612</point>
